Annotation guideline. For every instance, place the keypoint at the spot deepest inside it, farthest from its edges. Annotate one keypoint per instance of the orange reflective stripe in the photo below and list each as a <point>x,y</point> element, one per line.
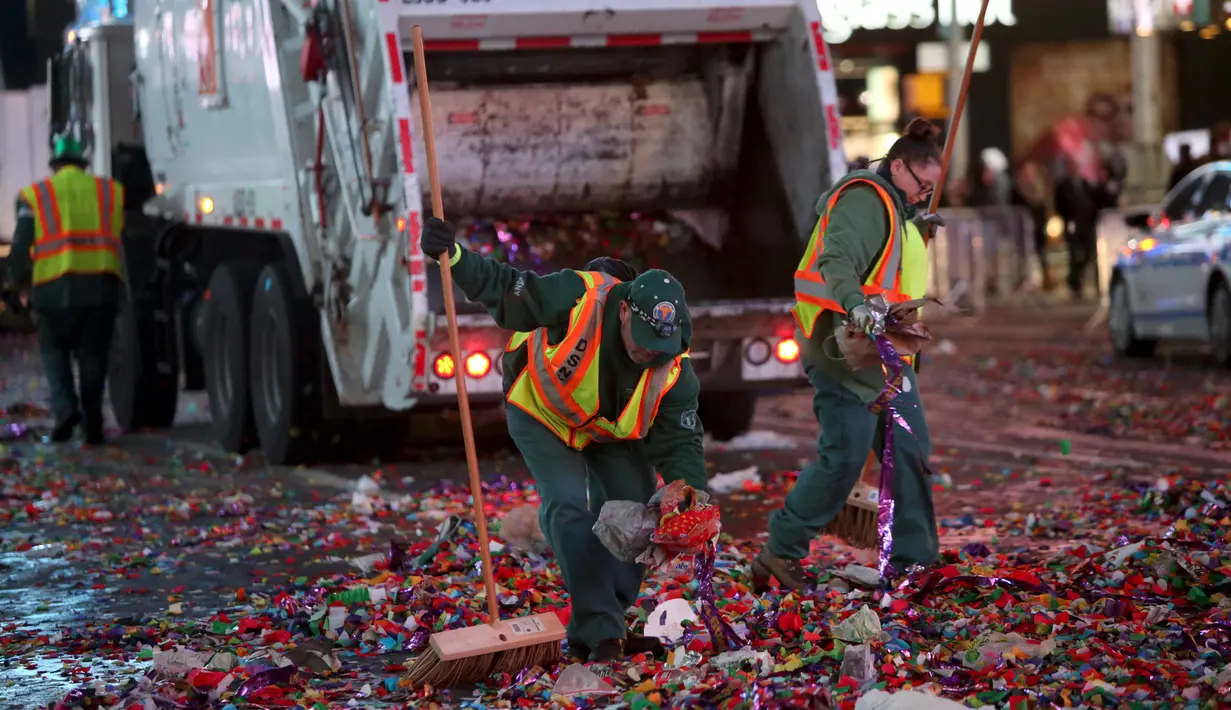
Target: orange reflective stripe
<point>813,295</point>
<point>652,387</point>
<point>556,371</point>
<point>48,212</point>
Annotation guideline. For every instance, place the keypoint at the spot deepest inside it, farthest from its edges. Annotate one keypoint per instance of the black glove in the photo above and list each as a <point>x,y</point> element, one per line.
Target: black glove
<point>925,220</point>
<point>437,238</point>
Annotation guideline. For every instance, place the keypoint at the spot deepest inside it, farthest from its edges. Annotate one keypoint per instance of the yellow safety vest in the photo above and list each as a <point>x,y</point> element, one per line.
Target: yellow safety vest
<point>559,385</point>
<point>78,219</point>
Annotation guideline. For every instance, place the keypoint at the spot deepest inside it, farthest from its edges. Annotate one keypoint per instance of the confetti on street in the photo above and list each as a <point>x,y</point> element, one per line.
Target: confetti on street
<point>164,575</point>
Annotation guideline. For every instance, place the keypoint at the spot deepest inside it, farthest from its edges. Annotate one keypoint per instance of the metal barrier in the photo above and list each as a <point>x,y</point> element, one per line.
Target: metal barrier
<point>981,253</point>
<point>1113,234</point>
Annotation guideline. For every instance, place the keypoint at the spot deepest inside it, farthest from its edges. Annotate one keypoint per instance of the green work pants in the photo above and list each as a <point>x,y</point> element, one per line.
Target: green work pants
<point>848,432</point>
<point>573,486</point>
<point>81,333</point>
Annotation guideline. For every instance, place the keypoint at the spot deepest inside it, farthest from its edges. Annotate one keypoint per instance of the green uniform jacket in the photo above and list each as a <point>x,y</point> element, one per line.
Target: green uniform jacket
<point>69,291</point>
<point>856,235</point>
<point>524,301</point>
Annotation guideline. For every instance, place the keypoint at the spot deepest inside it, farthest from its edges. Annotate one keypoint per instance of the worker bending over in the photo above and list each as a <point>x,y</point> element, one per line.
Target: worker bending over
<point>600,387</point>
<point>864,244</point>
<point>67,243</point>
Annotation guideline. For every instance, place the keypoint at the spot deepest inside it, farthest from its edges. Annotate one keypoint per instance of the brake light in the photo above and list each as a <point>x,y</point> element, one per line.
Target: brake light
<point>444,366</point>
<point>787,350</point>
<point>478,365</point>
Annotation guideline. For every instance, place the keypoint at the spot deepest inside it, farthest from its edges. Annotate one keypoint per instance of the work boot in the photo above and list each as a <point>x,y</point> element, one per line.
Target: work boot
<point>607,651</point>
<point>63,430</point>
<point>634,645</point>
<point>789,573</point>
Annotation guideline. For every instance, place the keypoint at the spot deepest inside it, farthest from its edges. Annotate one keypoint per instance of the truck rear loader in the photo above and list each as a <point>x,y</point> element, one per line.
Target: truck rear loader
<point>275,191</point>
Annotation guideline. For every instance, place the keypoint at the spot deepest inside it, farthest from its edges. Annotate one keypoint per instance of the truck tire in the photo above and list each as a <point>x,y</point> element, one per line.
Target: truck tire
<point>285,404</point>
<point>141,396</point>
<point>225,354</point>
<point>726,415</point>
<point>1124,340</point>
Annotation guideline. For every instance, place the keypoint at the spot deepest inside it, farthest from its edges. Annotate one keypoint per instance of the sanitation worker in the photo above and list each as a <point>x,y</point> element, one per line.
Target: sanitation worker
<point>67,243</point>
<point>865,243</point>
<point>602,388</point>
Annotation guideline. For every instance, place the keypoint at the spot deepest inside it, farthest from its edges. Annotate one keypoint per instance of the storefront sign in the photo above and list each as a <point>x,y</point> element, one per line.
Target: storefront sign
<point>842,17</point>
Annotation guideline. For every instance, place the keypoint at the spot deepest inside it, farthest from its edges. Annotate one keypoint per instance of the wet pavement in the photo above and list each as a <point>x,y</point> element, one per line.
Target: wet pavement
<point>1024,410</point>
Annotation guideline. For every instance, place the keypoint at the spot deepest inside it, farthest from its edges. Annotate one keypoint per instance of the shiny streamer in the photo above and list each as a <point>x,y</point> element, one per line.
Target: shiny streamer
<point>722,636</point>
<point>883,404</point>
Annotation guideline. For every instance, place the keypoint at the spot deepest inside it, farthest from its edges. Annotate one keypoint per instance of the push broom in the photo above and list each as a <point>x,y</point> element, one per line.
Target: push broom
<point>856,522</point>
<point>473,654</point>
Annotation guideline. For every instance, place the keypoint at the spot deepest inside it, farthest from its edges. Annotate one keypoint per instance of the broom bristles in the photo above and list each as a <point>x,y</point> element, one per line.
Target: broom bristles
<point>856,523</point>
<point>428,669</point>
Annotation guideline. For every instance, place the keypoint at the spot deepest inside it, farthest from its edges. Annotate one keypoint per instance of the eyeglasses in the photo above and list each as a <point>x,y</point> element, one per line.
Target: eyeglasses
<point>925,188</point>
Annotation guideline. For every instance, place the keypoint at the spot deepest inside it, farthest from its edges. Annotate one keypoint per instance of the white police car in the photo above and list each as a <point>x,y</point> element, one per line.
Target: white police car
<point>1173,281</point>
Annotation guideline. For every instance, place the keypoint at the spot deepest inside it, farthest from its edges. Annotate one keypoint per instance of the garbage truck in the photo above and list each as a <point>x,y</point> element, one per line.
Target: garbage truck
<point>275,188</point>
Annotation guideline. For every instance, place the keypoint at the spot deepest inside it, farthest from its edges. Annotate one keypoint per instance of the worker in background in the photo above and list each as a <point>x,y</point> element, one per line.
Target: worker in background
<point>67,244</point>
<point>866,243</point>
<point>603,386</point>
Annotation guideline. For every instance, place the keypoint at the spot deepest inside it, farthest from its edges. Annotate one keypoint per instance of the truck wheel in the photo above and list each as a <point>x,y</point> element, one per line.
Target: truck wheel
<point>225,356</point>
<point>1220,324</point>
<point>284,406</point>
<point>726,415</point>
<point>141,396</point>
<point>1124,338</point>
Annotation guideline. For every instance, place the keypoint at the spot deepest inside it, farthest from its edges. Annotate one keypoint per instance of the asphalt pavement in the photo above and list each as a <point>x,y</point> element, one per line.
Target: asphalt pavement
<point>1024,408</point>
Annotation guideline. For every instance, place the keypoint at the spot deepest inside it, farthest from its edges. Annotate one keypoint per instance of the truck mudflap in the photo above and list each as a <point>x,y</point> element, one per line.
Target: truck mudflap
<point>736,346</point>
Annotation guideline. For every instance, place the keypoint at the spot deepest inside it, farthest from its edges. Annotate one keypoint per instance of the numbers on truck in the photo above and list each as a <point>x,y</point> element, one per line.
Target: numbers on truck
<point>244,202</point>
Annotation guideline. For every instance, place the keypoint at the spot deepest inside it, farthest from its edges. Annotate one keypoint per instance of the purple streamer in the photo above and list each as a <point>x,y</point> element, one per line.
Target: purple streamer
<point>883,403</point>
<point>722,636</point>
<point>264,679</point>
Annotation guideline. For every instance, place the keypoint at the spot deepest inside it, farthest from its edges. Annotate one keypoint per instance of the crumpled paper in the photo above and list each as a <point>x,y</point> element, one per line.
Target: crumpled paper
<point>678,520</point>
<point>862,626</point>
<point>904,700</point>
<point>898,322</point>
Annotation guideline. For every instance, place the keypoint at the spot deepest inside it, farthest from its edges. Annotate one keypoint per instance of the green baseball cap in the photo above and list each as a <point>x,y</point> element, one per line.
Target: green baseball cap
<point>65,147</point>
<point>660,312</point>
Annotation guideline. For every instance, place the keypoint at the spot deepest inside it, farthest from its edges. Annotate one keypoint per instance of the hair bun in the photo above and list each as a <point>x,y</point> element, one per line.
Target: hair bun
<point>922,129</point>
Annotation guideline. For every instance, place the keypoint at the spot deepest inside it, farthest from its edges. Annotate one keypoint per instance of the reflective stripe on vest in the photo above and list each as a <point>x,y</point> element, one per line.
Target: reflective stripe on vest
<point>559,386</point>
<point>78,219</point>
<point>812,294</point>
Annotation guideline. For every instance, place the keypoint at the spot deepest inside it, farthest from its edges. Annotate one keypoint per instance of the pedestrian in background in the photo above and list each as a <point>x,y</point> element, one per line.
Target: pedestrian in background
<point>1077,206</point>
<point>1030,191</point>
<point>1185,165</point>
<point>865,244</point>
<point>67,244</point>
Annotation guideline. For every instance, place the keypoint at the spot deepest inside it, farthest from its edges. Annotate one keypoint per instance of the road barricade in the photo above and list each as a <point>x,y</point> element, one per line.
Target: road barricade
<point>983,254</point>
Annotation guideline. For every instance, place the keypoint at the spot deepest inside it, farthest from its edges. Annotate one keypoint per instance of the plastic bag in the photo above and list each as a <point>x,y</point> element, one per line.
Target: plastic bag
<point>678,520</point>
<point>624,528</point>
<point>579,680</point>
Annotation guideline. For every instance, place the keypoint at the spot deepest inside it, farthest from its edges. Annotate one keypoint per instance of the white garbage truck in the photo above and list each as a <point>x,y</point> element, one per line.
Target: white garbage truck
<point>276,189</point>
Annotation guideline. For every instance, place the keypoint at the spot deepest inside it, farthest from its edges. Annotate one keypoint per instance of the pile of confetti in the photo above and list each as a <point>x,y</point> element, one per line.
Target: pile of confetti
<point>1093,393</point>
<point>1137,615</point>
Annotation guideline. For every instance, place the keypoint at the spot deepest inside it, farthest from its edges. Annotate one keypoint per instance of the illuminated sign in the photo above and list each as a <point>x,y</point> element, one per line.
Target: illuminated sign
<point>842,17</point>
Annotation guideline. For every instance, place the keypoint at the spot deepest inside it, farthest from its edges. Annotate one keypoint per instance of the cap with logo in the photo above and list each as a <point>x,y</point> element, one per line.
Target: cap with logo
<point>659,311</point>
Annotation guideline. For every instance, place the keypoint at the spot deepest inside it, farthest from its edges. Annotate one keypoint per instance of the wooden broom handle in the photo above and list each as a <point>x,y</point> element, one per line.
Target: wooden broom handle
<point>446,274</point>
<point>958,108</point>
